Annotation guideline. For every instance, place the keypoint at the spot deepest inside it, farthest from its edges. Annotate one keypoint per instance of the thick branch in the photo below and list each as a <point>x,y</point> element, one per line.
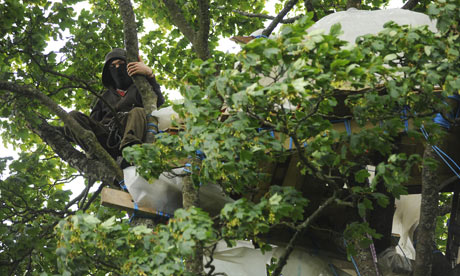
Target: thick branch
<point>90,139</point>
<point>309,6</point>
<point>92,168</point>
<point>178,19</point>
<point>427,225</point>
<point>410,5</point>
<point>149,97</point>
<point>283,259</point>
<point>190,198</point>
<point>289,5</point>
<point>202,37</point>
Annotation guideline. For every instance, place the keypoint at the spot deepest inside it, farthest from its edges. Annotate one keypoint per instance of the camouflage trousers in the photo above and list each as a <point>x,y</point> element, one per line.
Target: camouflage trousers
<point>133,126</point>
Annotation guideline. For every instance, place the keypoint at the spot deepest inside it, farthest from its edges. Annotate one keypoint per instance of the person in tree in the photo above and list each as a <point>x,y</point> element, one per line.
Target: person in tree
<point>118,119</point>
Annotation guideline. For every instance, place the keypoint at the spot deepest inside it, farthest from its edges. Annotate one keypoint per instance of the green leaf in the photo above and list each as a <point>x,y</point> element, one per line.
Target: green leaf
<point>362,175</point>
<point>336,29</point>
<point>269,52</point>
<point>390,57</point>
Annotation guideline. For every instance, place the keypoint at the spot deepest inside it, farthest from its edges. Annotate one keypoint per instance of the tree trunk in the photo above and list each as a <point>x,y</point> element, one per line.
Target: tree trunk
<point>190,197</point>
<point>364,261</point>
<point>149,97</point>
<point>427,225</point>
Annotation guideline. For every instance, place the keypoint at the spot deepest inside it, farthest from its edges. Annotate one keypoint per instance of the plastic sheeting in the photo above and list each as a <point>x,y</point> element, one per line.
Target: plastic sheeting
<point>245,260</point>
<point>405,220</point>
<point>393,264</point>
<point>165,193</point>
<point>359,22</point>
<point>165,117</point>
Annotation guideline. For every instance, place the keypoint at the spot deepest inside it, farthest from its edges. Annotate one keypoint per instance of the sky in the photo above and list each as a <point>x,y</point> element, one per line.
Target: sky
<point>78,185</point>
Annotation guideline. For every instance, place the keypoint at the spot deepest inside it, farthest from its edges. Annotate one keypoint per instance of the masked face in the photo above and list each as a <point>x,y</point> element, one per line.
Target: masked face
<point>120,74</point>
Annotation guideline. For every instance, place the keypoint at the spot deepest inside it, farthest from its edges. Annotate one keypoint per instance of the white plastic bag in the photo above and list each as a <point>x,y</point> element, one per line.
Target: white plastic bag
<point>165,117</point>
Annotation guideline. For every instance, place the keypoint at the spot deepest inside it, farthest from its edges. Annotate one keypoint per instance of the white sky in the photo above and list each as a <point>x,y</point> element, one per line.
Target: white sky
<point>78,185</point>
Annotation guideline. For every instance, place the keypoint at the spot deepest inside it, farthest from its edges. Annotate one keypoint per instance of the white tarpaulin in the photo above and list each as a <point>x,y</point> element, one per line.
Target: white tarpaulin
<point>359,22</point>
<point>165,193</point>
<point>405,220</point>
<point>245,260</point>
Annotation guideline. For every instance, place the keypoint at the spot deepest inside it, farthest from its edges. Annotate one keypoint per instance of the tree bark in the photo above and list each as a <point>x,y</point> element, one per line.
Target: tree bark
<point>149,97</point>
<point>190,197</point>
<point>199,38</point>
<point>410,4</point>
<point>90,139</point>
<point>364,261</point>
<point>428,211</point>
<point>289,5</point>
<point>91,168</point>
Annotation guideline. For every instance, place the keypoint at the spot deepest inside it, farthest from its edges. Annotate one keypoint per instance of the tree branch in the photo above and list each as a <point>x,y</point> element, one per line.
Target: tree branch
<point>202,37</point>
<point>283,259</point>
<point>428,213</point>
<point>266,16</point>
<point>92,168</point>
<point>410,4</point>
<point>289,5</point>
<point>178,19</point>
<point>149,97</point>
<point>90,139</point>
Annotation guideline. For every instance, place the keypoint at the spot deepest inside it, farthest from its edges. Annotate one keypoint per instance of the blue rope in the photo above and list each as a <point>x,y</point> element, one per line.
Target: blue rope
<point>260,36</point>
<point>348,126</point>
<point>200,154</point>
<point>122,185</point>
<point>187,170</point>
<point>347,123</point>
<point>290,142</point>
<point>333,270</point>
<point>352,259</point>
<point>440,120</point>
<point>443,155</point>
<point>407,260</point>
<point>152,131</point>
<point>404,116</point>
<point>152,124</point>
<point>134,213</point>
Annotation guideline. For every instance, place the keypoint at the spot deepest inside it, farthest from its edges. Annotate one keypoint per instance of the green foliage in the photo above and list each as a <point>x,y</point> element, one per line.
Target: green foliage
<point>246,220</point>
<point>117,248</point>
<point>290,88</point>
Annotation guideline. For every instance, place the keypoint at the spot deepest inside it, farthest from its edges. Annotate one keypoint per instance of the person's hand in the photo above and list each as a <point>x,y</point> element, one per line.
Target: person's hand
<point>140,68</point>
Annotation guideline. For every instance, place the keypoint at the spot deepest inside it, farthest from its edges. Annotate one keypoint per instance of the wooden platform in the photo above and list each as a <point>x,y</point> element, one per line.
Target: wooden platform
<point>123,201</point>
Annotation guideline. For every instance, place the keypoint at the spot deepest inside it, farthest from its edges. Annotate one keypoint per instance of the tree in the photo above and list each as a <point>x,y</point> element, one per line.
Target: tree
<point>44,231</point>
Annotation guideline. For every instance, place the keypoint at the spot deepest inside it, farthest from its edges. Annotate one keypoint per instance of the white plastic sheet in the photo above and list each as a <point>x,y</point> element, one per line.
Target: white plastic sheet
<point>405,220</point>
<point>245,260</point>
<point>359,22</point>
<point>165,193</point>
<point>165,117</point>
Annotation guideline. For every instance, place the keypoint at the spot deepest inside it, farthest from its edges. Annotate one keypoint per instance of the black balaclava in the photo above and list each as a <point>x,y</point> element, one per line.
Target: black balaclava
<point>120,77</point>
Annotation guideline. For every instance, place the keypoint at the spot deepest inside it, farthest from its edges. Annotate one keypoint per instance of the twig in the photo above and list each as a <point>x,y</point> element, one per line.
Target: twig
<point>266,16</point>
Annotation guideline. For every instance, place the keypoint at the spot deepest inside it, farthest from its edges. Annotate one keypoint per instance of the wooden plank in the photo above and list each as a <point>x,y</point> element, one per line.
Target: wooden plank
<point>123,201</point>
